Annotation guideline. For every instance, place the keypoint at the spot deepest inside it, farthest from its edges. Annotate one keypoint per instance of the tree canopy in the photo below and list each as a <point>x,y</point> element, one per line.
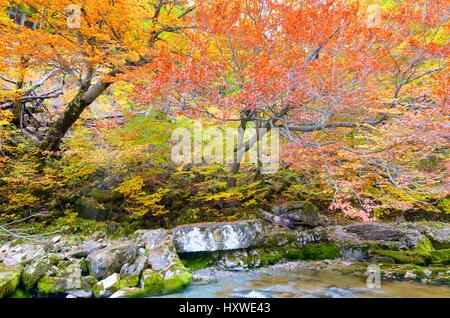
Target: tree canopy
<point>358,90</point>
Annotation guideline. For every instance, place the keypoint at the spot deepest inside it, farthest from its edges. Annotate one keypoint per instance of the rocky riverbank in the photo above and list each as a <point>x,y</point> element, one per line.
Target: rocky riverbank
<point>161,262</point>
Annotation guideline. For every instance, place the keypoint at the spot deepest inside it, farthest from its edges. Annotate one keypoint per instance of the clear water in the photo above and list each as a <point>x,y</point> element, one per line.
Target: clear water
<point>298,282</point>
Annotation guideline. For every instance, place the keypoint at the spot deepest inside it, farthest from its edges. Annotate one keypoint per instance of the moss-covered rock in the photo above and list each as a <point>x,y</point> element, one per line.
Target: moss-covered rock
<point>265,256</point>
<point>9,279</point>
<point>35,271</point>
<point>152,282</point>
<point>130,274</point>
<point>20,293</point>
<point>401,257</point>
<point>176,278</point>
<point>65,277</point>
<point>419,256</point>
<point>52,285</point>
<point>424,246</point>
<point>176,282</point>
<point>440,256</point>
<point>277,238</point>
<point>318,251</point>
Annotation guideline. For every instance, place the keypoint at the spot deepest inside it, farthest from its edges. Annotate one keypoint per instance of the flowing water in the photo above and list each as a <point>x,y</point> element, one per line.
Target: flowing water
<point>296,281</point>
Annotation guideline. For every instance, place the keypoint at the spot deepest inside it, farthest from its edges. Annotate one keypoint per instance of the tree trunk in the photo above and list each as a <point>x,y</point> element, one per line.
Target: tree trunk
<point>71,114</point>
<point>17,109</point>
<point>238,153</point>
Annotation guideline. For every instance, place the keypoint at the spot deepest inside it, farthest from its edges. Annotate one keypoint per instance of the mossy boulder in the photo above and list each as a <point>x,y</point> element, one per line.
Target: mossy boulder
<point>130,274</point>
<point>176,280</point>
<point>65,277</point>
<point>297,215</point>
<point>35,271</point>
<point>401,257</point>
<point>420,255</point>
<point>305,213</point>
<point>152,282</point>
<point>52,285</point>
<point>312,251</point>
<point>9,279</point>
<point>440,256</point>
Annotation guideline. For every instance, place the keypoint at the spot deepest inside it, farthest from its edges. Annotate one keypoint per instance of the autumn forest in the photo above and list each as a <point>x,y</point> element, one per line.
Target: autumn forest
<point>149,141</point>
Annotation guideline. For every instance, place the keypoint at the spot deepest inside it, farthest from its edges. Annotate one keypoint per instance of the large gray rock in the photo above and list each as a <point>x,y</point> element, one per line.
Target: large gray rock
<point>85,248</point>
<point>210,237</point>
<point>21,254</point>
<point>164,262</point>
<point>161,253</point>
<point>109,260</point>
<point>403,237</point>
<point>130,274</point>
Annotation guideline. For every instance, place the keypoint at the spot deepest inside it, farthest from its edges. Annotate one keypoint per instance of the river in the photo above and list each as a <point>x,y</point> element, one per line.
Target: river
<point>295,280</point>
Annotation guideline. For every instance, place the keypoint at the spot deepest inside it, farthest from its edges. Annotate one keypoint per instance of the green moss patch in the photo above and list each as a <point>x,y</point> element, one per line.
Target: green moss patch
<point>196,261</point>
<point>9,279</point>
<point>318,251</point>
<point>440,256</point>
<point>177,282</point>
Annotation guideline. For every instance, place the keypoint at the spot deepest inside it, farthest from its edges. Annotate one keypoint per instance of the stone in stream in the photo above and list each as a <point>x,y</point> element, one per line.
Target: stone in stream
<point>109,260</point>
<point>9,279</point>
<point>210,237</point>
